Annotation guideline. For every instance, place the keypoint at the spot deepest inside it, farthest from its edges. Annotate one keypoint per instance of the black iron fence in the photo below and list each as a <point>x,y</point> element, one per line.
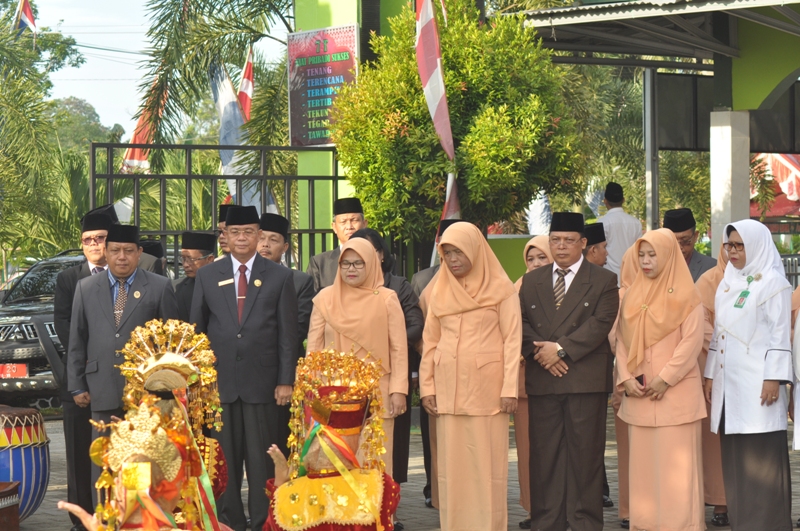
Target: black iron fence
<point>109,184</point>
<point>791,264</point>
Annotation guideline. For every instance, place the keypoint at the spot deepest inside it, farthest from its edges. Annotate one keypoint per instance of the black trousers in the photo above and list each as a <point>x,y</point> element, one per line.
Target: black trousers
<point>248,430</point>
<point>104,416</point>
<point>424,428</point>
<point>402,443</point>
<point>77,439</point>
<point>567,443</point>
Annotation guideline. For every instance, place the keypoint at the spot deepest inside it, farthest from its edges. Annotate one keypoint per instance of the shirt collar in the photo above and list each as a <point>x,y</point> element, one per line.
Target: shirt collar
<point>113,279</point>
<point>237,263</point>
<point>92,266</point>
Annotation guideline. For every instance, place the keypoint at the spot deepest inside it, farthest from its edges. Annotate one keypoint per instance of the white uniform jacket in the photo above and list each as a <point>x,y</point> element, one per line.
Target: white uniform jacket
<point>739,368</point>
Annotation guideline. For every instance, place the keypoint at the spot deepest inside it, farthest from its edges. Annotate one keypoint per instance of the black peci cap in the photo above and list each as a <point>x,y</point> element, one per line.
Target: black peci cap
<point>223,213</point>
<point>108,210</point>
<point>241,215</point>
<point>275,223</point>
<point>614,193</point>
<point>594,233</point>
<point>96,221</point>
<point>152,247</point>
<point>347,205</point>
<point>679,220</point>
<point>123,234</point>
<point>566,222</point>
<point>198,240</point>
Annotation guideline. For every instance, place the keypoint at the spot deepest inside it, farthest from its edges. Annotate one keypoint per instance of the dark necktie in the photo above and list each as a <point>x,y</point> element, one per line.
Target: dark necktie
<point>122,298</point>
<point>97,269</point>
<point>560,288</point>
<point>242,294</point>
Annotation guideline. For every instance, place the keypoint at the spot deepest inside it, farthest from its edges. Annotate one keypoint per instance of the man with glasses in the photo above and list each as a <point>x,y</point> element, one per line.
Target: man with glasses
<point>568,309</point>
<point>681,222</point>
<point>348,217</point>
<point>220,232</point>
<point>247,306</point>
<point>77,430</point>
<point>197,250</point>
<point>108,306</point>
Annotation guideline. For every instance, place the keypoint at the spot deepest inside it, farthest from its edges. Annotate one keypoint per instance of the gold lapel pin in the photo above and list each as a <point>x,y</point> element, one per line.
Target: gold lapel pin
<point>257,283</point>
<point>136,294</point>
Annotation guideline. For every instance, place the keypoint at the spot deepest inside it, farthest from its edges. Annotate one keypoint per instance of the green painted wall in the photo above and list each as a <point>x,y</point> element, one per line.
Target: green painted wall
<point>313,14</point>
<point>390,8</point>
<point>767,57</point>
<point>508,250</point>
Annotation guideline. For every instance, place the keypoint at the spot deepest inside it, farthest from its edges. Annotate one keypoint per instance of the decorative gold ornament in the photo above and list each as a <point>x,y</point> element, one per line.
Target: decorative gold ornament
<point>136,294</point>
<point>257,283</point>
<point>163,356</point>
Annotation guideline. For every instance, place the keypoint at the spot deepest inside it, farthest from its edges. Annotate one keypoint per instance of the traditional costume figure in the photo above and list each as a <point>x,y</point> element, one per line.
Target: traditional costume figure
<point>469,379</point>
<point>713,484</point>
<point>660,336</point>
<point>749,360</point>
<point>535,255</point>
<point>334,479</point>
<point>368,319</point>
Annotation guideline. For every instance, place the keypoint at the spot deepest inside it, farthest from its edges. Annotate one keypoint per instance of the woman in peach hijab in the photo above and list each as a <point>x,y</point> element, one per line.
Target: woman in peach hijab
<point>660,336</point>
<point>469,377</point>
<point>713,484</point>
<point>536,254</point>
<point>357,312</point>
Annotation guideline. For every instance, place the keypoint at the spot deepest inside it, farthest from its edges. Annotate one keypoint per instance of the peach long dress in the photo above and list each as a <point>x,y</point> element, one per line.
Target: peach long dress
<point>660,335</point>
<point>369,320</point>
<point>472,342</point>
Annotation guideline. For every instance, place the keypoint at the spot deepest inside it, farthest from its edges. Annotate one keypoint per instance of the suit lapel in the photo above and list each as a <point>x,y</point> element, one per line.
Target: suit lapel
<point>139,286</point>
<point>257,276</point>
<point>84,271</point>
<point>577,289</point>
<point>228,290</point>
<point>102,287</point>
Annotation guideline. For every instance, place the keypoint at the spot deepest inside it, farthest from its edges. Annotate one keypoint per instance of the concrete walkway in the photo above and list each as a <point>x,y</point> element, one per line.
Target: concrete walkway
<point>412,512</point>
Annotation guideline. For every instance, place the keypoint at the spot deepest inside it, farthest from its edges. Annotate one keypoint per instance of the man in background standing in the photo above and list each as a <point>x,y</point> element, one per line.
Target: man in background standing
<point>596,251</point>
<point>622,230</point>
<point>681,222</point>
<point>77,430</point>
<point>197,250</point>
<point>348,217</point>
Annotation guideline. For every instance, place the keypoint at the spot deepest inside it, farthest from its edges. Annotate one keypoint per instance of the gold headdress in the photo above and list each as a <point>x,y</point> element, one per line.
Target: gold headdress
<point>337,390</point>
<point>166,356</point>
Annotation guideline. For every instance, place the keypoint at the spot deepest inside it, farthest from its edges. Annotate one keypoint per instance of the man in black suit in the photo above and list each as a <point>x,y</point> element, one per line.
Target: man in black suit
<point>108,306</point>
<point>348,217</point>
<point>197,250</point>
<point>568,309</point>
<point>247,306</point>
<point>681,222</point>
<point>77,430</point>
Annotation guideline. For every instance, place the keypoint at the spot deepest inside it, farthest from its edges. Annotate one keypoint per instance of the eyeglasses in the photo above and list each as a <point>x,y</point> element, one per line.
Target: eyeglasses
<point>185,259</point>
<point>686,242</point>
<point>234,233</point>
<point>358,264</point>
<point>739,246</point>
<point>93,239</point>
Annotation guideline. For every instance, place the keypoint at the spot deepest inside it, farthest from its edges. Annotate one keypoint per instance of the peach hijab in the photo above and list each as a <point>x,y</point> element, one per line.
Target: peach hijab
<point>654,307</point>
<point>542,243</point>
<point>487,283</point>
<point>359,313</point>
<point>709,281</point>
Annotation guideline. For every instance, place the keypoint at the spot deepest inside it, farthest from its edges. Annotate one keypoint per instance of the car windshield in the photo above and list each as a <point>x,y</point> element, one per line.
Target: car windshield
<point>39,283</point>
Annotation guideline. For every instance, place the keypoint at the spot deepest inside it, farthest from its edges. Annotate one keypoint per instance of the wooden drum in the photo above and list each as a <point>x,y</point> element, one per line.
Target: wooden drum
<point>24,455</point>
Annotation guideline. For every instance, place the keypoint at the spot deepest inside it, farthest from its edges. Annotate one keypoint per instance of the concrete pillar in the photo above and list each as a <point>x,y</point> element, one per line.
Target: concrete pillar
<point>651,149</point>
<point>730,171</point>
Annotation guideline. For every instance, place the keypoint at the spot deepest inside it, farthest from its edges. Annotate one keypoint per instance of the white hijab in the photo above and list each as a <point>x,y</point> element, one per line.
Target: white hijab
<point>766,275</point>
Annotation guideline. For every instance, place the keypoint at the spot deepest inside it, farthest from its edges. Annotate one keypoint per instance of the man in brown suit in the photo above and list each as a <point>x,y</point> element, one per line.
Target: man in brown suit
<point>568,310</point>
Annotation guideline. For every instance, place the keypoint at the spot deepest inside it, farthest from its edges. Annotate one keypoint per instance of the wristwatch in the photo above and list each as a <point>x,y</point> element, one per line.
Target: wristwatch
<point>561,352</point>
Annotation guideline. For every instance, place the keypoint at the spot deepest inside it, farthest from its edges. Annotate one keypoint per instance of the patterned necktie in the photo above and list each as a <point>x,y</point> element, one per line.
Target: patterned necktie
<point>122,298</point>
<point>97,269</point>
<point>242,294</point>
<point>560,288</point>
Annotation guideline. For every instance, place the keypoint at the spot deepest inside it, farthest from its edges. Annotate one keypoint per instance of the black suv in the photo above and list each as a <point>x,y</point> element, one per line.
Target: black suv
<point>29,347</point>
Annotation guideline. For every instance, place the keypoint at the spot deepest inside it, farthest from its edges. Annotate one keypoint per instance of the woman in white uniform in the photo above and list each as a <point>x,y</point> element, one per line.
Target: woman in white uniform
<point>749,360</point>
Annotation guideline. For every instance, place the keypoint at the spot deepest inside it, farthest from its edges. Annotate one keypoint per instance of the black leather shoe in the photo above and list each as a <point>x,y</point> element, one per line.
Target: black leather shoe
<point>249,523</point>
<point>525,524</point>
<point>398,526</point>
<point>720,520</point>
<point>625,523</point>
<point>428,502</point>
<point>607,501</point>
<point>78,527</point>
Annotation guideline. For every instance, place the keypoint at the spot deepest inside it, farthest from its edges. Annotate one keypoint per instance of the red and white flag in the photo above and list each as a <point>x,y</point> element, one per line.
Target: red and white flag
<point>24,17</point>
<point>429,62</point>
<point>246,86</point>
<point>135,159</point>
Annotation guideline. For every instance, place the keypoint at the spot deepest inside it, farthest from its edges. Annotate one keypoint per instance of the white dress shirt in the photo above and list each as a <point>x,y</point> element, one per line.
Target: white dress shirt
<point>622,230</point>
<point>571,272</point>
<point>236,264</point>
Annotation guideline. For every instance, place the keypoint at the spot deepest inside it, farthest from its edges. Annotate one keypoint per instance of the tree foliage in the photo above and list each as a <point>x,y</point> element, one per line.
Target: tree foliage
<point>513,134</point>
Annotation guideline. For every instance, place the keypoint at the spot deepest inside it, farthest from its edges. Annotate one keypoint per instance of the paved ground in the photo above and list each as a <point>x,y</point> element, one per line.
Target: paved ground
<point>412,512</point>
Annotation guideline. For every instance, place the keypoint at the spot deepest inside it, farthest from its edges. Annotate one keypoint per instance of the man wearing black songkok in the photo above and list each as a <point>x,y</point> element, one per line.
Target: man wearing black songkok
<point>348,217</point>
<point>681,222</point>
<point>197,250</point>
